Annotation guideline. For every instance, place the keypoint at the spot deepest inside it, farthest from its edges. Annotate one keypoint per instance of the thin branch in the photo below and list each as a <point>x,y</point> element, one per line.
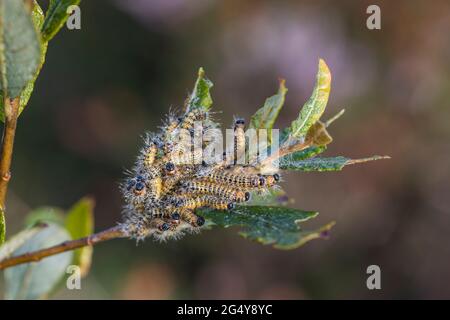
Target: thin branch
<point>108,234</point>
<point>9,131</point>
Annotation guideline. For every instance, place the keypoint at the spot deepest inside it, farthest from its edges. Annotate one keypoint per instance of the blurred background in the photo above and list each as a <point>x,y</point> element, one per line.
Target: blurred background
<point>103,86</point>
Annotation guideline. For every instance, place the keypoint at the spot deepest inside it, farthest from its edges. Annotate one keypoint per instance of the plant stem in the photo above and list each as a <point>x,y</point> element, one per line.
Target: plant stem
<point>9,131</point>
<point>108,234</point>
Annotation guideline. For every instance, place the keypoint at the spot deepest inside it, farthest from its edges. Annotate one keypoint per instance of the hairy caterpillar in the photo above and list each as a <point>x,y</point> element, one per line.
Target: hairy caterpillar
<point>150,155</point>
<point>236,179</point>
<point>221,191</point>
<point>239,141</point>
<point>193,202</point>
<point>193,116</point>
<point>193,219</point>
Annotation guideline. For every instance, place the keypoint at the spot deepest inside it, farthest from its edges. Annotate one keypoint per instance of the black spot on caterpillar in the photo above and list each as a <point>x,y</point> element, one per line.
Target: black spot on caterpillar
<point>193,219</point>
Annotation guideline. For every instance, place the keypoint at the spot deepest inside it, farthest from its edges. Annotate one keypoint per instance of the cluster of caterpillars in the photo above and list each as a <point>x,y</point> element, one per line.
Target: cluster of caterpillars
<point>169,182</point>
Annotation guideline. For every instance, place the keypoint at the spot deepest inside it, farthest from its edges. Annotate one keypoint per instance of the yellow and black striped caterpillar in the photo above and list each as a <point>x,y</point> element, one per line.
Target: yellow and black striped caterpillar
<point>236,179</point>
<point>218,190</point>
<point>192,201</point>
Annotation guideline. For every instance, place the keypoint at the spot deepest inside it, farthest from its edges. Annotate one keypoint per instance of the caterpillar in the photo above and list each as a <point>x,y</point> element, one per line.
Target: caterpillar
<point>193,116</point>
<point>193,219</point>
<point>169,183</point>
<point>272,180</point>
<point>237,180</point>
<point>172,125</point>
<point>221,191</point>
<point>155,188</point>
<point>239,141</point>
<point>188,158</point>
<point>150,155</point>
<point>159,224</point>
<point>193,202</point>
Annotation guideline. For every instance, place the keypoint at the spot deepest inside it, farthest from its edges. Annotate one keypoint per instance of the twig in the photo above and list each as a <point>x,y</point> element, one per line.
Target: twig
<point>9,131</point>
<point>108,234</point>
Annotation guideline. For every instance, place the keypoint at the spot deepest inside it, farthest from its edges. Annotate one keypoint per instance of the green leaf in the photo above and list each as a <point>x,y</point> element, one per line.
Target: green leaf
<point>18,239</point>
<point>200,96</point>
<point>45,215</point>
<point>304,154</point>
<point>315,106</point>
<point>266,116</point>
<point>272,197</point>
<point>37,17</point>
<point>35,280</point>
<point>55,17</point>
<point>322,164</point>
<point>20,48</point>
<point>80,224</point>
<point>2,227</point>
<point>276,226</point>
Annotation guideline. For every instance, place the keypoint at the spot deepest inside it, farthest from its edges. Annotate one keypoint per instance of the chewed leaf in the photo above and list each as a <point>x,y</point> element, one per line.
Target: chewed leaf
<point>276,226</point>
<point>35,280</point>
<point>200,96</point>
<point>266,116</point>
<point>322,164</point>
<point>315,106</point>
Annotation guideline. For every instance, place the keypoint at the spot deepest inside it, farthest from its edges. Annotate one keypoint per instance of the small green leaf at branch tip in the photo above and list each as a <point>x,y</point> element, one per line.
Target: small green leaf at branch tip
<point>200,97</point>
<point>80,223</point>
<point>323,164</point>
<point>276,226</point>
<point>315,106</point>
<point>55,17</point>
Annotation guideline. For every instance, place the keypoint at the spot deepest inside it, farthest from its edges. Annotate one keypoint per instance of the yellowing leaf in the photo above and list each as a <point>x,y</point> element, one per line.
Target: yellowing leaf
<point>315,106</point>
